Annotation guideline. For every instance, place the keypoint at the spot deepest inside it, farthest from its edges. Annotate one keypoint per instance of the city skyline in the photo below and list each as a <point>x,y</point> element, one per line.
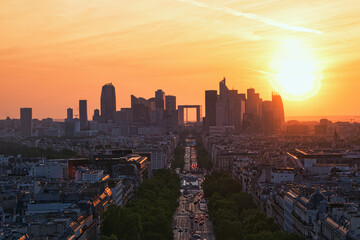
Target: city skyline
<point>91,111</point>
<point>109,89</point>
<point>179,119</point>
<point>82,44</point>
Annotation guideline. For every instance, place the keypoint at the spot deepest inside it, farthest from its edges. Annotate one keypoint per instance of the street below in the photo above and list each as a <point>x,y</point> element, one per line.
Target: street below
<point>191,219</point>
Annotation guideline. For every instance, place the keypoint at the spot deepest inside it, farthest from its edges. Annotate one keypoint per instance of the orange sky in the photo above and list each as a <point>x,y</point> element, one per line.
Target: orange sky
<point>53,53</point>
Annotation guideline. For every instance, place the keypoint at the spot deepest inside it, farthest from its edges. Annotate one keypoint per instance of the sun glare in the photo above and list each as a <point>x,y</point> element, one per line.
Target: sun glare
<point>295,72</point>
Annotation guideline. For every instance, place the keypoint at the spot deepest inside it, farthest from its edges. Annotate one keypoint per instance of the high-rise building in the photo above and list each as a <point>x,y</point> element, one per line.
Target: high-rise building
<point>150,103</point>
<point>236,109</point>
<point>138,100</point>
<point>170,103</point>
<point>26,121</point>
<point>70,114</point>
<point>134,101</point>
<point>96,116</point>
<point>210,107</point>
<point>253,111</point>
<point>141,115</point>
<point>279,116</point>
<point>160,99</point>
<point>124,117</point>
<point>268,117</point>
<point>108,103</point>
<point>222,106</point>
<point>69,123</point>
<point>259,108</point>
<point>252,103</point>
<point>225,109</point>
<point>171,115</point>
<point>83,114</point>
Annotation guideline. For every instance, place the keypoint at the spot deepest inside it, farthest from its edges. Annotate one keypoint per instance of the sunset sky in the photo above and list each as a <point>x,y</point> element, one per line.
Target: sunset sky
<point>53,53</point>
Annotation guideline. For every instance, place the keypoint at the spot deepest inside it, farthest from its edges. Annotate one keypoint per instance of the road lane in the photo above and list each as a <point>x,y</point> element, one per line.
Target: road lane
<point>184,225</point>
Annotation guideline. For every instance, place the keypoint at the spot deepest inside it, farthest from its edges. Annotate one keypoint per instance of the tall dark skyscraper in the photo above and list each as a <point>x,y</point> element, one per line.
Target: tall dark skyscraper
<point>70,114</point>
<point>69,123</point>
<point>26,121</point>
<point>160,99</point>
<point>108,103</point>
<point>278,108</point>
<point>222,106</point>
<point>210,107</point>
<point>83,114</point>
<point>170,103</point>
<point>171,117</point>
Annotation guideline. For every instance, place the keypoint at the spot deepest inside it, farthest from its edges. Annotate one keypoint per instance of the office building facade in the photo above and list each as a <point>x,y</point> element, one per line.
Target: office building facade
<point>108,103</point>
<point>83,115</point>
<point>26,122</point>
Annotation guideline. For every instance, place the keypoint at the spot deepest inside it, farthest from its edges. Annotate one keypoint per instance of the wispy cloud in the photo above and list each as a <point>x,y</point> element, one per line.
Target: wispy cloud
<point>252,16</point>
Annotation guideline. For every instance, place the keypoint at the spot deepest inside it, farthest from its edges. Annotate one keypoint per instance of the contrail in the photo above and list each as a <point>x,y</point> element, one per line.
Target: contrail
<point>252,16</point>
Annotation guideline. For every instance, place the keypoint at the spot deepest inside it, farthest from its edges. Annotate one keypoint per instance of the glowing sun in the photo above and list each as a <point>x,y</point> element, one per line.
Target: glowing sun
<point>295,72</point>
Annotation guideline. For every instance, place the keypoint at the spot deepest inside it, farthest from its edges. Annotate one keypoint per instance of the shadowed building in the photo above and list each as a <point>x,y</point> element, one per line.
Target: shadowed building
<point>171,114</point>
<point>108,103</point>
<point>253,104</point>
<point>170,103</point>
<point>253,111</point>
<point>138,100</point>
<point>236,104</point>
<point>278,108</point>
<point>26,121</point>
<point>144,111</point>
<point>83,114</point>
<point>124,117</point>
<point>96,116</point>
<point>69,123</point>
<point>160,99</point>
<point>141,114</point>
<point>230,107</point>
<point>210,107</point>
<point>70,114</point>
<point>222,107</point>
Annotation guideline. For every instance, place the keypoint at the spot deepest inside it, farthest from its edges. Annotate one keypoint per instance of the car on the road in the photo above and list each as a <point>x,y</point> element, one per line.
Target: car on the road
<point>180,229</point>
<point>196,236</point>
<point>174,227</point>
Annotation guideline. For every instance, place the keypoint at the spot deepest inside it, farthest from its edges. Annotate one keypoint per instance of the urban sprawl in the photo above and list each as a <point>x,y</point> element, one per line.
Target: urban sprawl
<point>147,172</point>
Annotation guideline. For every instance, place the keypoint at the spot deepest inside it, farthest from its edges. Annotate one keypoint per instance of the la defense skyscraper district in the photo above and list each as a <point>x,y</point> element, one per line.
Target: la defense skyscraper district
<point>108,103</point>
<point>240,112</point>
<point>225,110</point>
